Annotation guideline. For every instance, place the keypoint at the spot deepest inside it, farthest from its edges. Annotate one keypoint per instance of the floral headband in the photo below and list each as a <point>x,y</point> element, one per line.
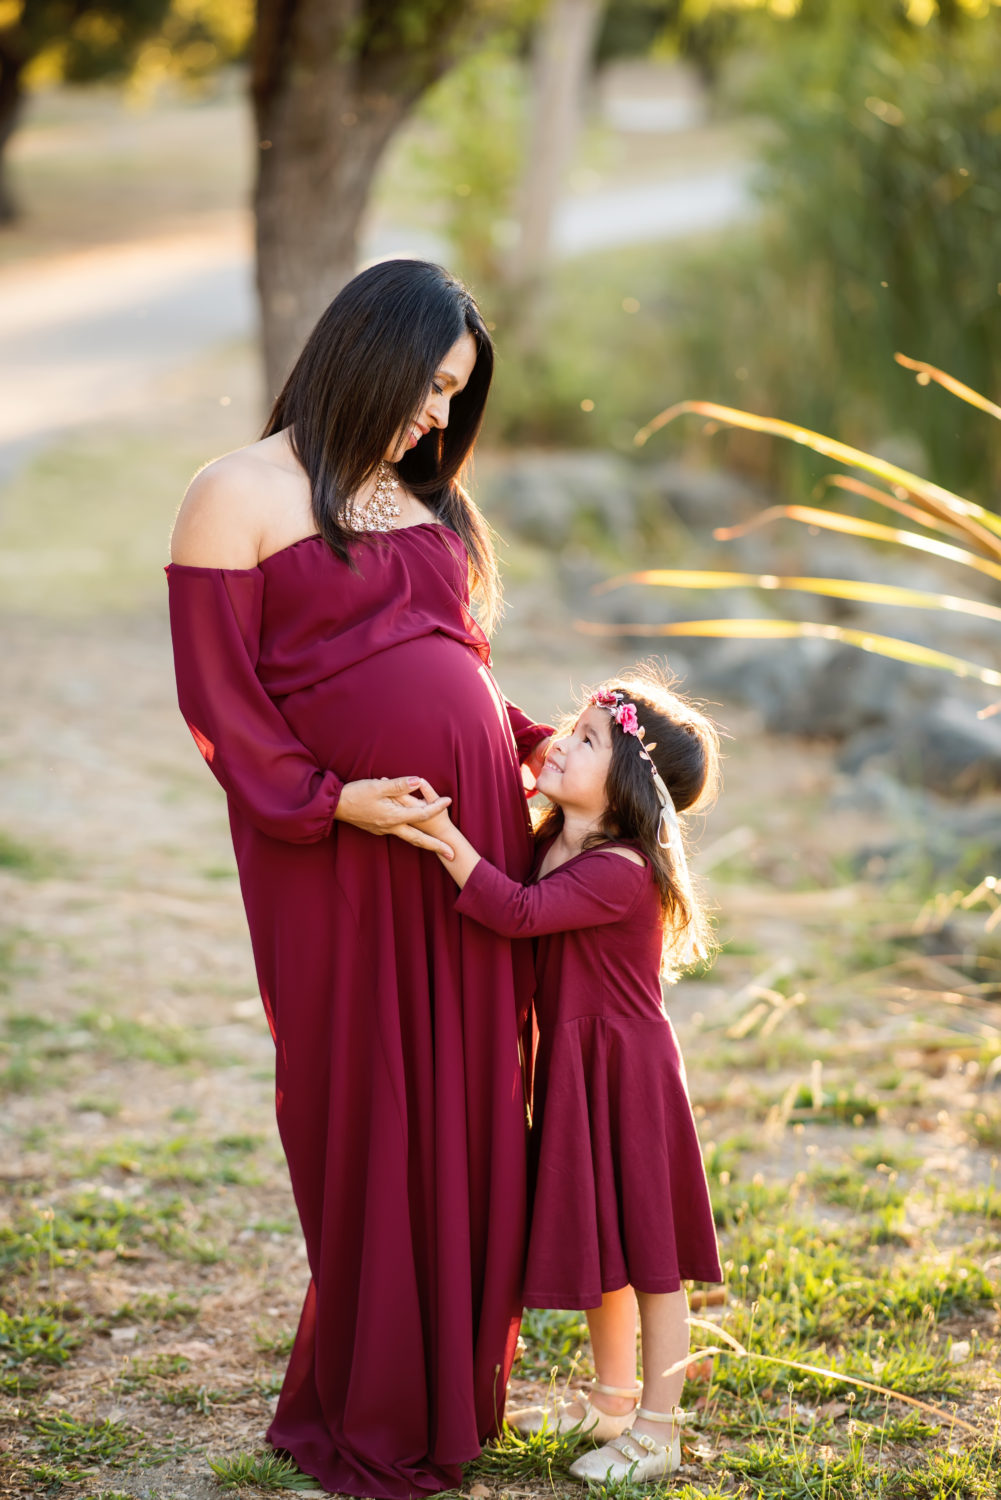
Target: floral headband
<point>623,713</point>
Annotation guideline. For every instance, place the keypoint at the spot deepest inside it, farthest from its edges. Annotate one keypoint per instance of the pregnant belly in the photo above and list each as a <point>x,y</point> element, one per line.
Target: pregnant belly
<point>427,707</point>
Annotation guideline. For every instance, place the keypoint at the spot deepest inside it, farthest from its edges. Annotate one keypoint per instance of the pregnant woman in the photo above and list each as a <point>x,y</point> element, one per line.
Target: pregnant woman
<point>323,641</point>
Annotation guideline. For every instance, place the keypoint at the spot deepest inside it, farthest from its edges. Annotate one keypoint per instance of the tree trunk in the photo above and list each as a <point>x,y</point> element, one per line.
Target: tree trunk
<point>562,57</point>
<point>11,101</point>
<point>330,86</point>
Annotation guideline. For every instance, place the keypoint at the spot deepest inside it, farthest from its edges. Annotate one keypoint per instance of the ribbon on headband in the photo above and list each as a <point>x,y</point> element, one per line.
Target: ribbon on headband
<point>623,713</point>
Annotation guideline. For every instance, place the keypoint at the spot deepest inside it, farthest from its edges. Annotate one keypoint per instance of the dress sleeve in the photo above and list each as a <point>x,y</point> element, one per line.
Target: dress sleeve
<point>215,624</point>
<point>526,733</point>
<point>592,891</point>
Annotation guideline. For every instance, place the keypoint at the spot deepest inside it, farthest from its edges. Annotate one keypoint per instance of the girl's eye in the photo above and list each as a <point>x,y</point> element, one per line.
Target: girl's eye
<point>587,739</point>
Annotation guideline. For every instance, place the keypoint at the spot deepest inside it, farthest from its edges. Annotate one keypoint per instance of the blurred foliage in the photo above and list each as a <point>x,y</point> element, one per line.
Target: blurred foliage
<point>468,152</point>
<point>80,41</point>
<point>605,356</point>
<point>881,192</point>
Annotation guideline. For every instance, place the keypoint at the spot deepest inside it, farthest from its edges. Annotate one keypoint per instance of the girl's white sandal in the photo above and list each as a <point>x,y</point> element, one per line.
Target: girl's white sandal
<point>633,1455</point>
<point>559,1417</point>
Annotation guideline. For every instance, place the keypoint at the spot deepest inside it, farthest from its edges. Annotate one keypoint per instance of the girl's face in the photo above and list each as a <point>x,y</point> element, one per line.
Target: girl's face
<point>576,765</point>
<point>450,378</point>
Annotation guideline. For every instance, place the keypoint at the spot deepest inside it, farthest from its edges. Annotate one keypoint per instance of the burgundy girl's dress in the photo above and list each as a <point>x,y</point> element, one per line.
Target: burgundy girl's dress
<point>399,1086</point>
<point>620,1189</point>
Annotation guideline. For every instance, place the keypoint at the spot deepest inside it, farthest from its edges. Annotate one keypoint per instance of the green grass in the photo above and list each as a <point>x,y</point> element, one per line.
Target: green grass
<point>518,1457</point>
<point>73,1229</point>
<point>153,1307</point>
<point>38,1051</point>
<point>30,861</point>
<point>89,1104</point>
<point>553,1341</point>
<point>71,1440</point>
<point>854,1188</point>
<point>978,1203</point>
<point>270,1342</point>
<point>43,1336</point>
<point>985,1126</point>
<point>182,1161</point>
<point>81,492</point>
<point>122,1038</point>
<point>266,1470</point>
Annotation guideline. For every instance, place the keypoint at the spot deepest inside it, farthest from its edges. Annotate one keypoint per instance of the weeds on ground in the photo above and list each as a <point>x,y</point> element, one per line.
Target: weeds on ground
<point>269,1471</point>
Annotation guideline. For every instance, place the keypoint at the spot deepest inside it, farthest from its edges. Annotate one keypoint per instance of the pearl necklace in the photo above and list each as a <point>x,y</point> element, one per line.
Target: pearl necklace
<point>380,511</point>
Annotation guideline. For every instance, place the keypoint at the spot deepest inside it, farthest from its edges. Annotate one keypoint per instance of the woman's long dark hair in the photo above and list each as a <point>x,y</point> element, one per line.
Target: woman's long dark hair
<point>359,385</point>
<point>684,746</point>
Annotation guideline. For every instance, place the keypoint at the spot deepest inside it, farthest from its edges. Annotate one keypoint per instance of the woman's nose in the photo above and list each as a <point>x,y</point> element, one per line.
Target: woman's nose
<point>436,411</point>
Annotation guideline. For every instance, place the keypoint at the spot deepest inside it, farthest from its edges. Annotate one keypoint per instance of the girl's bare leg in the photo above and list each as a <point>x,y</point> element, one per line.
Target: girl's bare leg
<point>665,1336</point>
<point>612,1327</point>
<point>613,1346</point>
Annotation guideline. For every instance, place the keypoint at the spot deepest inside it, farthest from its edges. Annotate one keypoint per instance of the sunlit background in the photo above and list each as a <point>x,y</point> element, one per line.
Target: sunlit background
<point>720,205</point>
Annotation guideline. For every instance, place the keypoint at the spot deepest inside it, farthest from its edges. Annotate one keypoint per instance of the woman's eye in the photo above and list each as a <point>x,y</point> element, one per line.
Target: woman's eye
<point>438,390</point>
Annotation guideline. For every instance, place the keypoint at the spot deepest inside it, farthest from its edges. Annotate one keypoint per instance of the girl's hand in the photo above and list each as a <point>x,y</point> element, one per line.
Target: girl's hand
<point>461,859</point>
<point>438,823</point>
<point>383,806</point>
<point>535,762</point>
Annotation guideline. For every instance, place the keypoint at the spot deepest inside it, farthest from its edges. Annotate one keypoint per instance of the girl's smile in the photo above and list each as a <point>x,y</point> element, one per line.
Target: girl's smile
<point>576,766</point>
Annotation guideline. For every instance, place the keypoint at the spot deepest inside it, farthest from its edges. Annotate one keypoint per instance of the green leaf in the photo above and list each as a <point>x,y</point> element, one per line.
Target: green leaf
<point>834,588</point>
<point>881,645</point>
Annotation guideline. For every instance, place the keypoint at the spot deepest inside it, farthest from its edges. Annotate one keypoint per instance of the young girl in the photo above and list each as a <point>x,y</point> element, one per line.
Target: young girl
<point>621,1207</point>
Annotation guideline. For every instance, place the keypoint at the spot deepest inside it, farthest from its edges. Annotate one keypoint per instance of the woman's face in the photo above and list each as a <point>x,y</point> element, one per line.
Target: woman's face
<point>450,377</point>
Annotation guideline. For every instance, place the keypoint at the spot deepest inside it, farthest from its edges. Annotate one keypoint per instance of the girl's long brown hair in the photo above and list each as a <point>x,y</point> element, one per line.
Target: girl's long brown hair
<point>685,750</point>
<point>359,385</point>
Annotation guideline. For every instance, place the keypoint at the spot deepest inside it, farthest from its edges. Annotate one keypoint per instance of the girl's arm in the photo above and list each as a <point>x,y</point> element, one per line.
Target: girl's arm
<point>590,891</point>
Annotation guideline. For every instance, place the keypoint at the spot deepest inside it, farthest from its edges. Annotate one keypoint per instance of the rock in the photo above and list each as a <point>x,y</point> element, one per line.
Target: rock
<point>852,690</point>
<point>948,749</point>
<point>775,677</point>
<point>701,499</point>
<point>548,498</point>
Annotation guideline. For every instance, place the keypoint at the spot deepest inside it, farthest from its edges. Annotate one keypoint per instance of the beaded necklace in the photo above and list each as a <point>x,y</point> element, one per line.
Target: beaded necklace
<point>379,512</point>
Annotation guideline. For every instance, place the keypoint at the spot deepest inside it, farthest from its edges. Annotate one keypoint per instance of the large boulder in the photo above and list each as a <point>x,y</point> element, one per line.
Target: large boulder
<point>554,499</point>
<point>947,748</point>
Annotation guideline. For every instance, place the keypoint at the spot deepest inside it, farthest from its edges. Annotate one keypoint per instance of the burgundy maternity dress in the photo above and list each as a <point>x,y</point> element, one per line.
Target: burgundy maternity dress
<point>620,1189</point>
<point>399,1086</point>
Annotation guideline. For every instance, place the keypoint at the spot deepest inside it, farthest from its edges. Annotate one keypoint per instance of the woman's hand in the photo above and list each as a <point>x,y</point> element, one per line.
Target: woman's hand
<point>382,806</point>
<point>536,761</point>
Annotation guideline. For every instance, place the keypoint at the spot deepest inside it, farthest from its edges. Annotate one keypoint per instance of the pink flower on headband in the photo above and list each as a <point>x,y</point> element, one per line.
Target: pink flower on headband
<point>621,710</point>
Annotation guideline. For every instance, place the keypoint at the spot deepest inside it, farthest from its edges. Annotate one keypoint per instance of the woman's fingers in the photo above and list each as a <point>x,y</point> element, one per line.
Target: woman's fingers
<point>420,815</point>
<point>399,787</point>
<point>411,835</point>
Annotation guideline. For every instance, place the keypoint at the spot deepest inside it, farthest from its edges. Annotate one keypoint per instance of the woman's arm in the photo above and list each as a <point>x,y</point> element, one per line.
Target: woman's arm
<point>216,600</point>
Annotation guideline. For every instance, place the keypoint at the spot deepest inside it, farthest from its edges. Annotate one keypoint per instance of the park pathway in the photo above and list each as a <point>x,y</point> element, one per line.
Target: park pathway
<point>84,336</point>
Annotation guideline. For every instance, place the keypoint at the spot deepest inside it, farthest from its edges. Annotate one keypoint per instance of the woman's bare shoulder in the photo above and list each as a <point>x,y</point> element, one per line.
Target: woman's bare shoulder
<point>229,507</point>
